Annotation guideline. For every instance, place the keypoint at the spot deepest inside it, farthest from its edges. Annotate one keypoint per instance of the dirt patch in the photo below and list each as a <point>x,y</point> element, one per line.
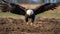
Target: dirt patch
<point>18,26</point>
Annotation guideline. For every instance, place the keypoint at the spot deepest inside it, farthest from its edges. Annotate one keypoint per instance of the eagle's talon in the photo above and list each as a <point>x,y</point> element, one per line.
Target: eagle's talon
<point>30,24</point>
<point>27,23</point>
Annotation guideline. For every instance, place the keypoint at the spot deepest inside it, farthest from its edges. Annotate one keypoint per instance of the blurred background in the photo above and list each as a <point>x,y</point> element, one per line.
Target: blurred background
<point>30,3</point>
<point>33,1</point>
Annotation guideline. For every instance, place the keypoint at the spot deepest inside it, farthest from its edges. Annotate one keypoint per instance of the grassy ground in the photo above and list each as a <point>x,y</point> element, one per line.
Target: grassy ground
<point>53,15</point>
<point>8,14</point>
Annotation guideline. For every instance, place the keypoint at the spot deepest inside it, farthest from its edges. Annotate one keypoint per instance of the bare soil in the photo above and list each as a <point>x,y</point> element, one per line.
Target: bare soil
<point>10,25</point>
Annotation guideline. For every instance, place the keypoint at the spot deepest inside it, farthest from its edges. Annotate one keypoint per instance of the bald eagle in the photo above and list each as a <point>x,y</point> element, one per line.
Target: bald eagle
<point>30,13</point>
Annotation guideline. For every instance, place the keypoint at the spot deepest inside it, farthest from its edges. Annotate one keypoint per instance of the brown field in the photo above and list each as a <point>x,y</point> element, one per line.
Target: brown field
<point>9,25</point>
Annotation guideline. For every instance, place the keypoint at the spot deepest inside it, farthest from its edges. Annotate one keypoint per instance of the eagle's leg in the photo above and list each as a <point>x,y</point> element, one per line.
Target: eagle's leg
<point>33,18</point>
<point>26,19</point>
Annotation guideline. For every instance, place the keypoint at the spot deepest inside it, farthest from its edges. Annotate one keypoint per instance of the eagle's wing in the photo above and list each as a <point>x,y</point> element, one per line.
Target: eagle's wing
<point>4,1</point>
<point>15,8</point>
<point>45,7</point>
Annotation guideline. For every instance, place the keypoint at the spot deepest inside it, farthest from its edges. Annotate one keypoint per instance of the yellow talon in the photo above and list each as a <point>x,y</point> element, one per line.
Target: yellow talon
<point>31,24</point>
<point>27,23</point>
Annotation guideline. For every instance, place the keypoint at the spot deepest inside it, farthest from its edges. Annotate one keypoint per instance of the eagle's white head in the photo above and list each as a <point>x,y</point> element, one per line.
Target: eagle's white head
<point>29,12</point>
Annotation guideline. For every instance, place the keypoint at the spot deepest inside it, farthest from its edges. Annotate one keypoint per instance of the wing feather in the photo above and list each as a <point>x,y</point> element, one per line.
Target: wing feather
<point>44,8</point>
<point>15,8</point>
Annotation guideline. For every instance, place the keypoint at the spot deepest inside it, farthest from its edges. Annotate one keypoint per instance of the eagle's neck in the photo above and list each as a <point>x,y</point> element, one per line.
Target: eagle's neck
<point>29,12</point>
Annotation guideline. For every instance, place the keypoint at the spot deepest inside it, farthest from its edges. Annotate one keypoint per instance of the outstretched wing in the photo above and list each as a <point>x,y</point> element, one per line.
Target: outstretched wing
<point>45,7</point>
<point>15,8</point>
<point>4,1</point>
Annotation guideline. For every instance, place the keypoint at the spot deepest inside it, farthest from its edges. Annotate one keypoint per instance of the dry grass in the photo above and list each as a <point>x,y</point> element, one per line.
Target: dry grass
<point>18,26</point>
